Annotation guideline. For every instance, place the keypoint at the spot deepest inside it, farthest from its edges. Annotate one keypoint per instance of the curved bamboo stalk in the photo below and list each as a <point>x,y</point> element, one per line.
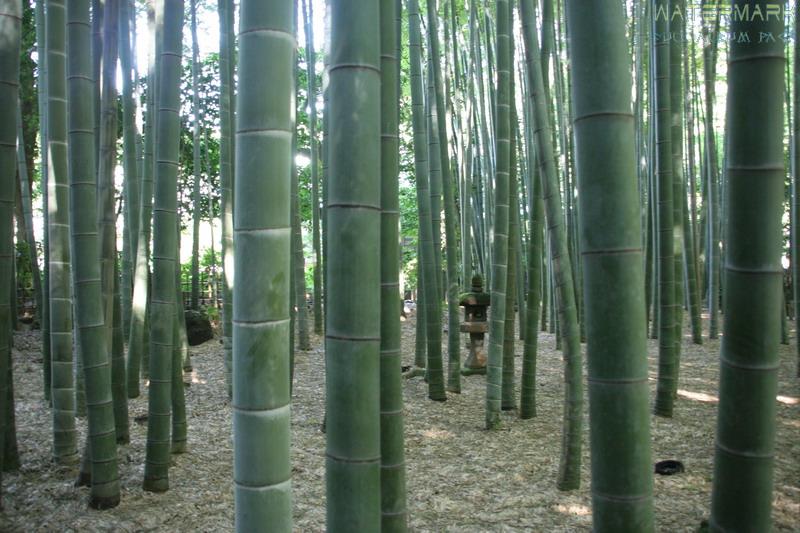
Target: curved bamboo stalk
<point>569,467</point>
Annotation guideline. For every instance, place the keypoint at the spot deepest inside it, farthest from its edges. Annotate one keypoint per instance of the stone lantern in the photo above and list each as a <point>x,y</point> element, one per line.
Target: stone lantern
<point>475,304</point>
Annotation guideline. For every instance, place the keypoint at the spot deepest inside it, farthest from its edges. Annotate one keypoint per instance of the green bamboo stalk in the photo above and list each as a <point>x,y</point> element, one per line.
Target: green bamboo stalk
<point>137,347</point>
<point>690,267</point>
<point>107,163</point>
<point>196,163</point>
<point>677,126</point>
<point>324,156</point>
<point>97,64</point>
<point>564,130</point>
<point>690,223</point>
<point>27,217</point>
<point>354,257</point>
<point>262,473</point>
<point>420,337</point>
<point>63,387</point>
<point>569,468</point>
<point>11,462</point>
<point>12,299</point>
<point>393,478</point>
<point>795,197</point>
<point>710,33</point>
<point>92,339</point>
<point>535,251</point>
<point>119,393</point>
<point>10,29</point>
<point>156,474</point>
<point>741,495</point>
<point>494,364</point>
<point>226,149</point>
<point>298,268</point>
<point>431,303</point>
<point>507,393</point>
<point>439,119</point>
<point>667,331</point>
<point>434,175</point>
<point>294,216</point>
<point>311,62</point>
<point>622,479</point>
<point>130,164</point>
<point>180,351</point>
<point>41,80</point>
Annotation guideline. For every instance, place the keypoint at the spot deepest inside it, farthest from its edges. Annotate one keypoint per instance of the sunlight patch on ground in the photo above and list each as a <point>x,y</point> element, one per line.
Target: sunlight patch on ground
<point>573,509</point>
<point>437,434</point>
<point>703,397</point>
<point>788,400</point>
<point>698,396</point>
<point>196,378</point>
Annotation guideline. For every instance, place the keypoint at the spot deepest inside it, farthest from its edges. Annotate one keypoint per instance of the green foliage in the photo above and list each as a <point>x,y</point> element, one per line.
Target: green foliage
<point>23,267</point>
<point>29,94</point>
<point>210,263</point>
<point>209,151</point>
<point>409,234</point>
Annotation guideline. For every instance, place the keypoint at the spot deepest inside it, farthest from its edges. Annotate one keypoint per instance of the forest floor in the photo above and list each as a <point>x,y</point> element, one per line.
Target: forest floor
<point>460,477</point>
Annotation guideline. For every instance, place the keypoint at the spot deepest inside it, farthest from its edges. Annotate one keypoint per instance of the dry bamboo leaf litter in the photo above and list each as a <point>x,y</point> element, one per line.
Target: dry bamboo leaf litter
<point>461,478</point>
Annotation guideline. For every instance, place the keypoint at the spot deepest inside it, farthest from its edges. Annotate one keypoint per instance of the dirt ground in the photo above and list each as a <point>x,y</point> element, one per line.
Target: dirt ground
<point>460,477</point>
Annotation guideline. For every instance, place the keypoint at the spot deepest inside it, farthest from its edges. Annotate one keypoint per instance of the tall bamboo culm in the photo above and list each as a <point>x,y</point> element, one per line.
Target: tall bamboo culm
<point>226,147</point>
<point>667,364</point>
<point>561,270</point>
<point>10,29</point>
<point>393,468</point>
<point>63,384</point>
<point>431,304</point>
<point>262,234</point>
<point>494,364</point>
<point>610,231</point>
<point>137,345</point>
<point>92,339</point>
<point>352,335</point>
<point>41,50</point>
<point>156,473</point>
<point>741,494</point>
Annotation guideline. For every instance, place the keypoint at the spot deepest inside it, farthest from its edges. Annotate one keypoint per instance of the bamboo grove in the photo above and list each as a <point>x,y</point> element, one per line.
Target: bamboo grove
<point>611,172</point>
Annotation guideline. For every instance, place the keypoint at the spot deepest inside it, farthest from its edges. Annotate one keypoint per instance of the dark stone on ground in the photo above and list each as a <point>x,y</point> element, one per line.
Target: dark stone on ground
<point>669,467</point>
<point>198,328</point>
